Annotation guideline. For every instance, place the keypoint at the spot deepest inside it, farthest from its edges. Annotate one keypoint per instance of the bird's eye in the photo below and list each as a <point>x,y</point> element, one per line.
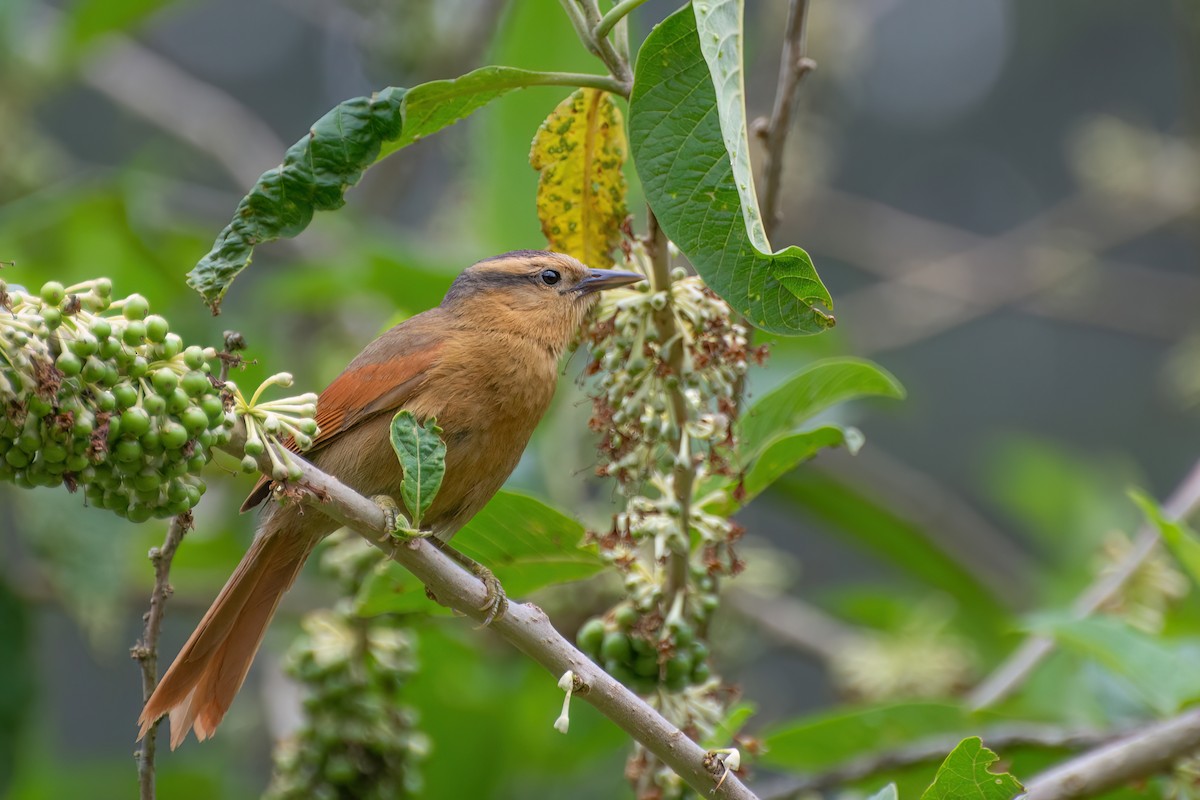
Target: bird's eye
<point>551,277</point>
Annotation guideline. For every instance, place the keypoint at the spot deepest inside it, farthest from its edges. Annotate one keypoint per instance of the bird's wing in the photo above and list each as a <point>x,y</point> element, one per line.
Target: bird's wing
<point>368,387</point>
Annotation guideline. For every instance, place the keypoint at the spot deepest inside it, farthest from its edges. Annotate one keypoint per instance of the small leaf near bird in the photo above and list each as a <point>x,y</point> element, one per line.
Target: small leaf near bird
<point>422,454</point>
<point>579,151</point>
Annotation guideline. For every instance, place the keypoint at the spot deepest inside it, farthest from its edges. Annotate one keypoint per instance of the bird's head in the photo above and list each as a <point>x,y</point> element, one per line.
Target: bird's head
<point>531,293</point>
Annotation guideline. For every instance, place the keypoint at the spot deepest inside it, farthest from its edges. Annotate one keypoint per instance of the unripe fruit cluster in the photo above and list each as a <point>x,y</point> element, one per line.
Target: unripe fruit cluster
<point>672,660</point>
<point>99,393</point>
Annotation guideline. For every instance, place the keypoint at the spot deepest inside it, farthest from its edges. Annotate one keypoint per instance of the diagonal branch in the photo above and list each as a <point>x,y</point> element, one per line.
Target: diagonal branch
<point>1184,501</point>
<point>524,625</point>
<point>1147,752</point>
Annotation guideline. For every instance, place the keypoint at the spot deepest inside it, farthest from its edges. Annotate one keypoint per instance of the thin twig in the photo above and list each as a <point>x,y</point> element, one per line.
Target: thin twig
<point>1016,668</point>
<point>1150,751</point>
<point>585,18</point>
<point>145,652</point>
<point>794,64</point>
<point>523,625</point>
<point>615,15</point>
<point>930,750</point>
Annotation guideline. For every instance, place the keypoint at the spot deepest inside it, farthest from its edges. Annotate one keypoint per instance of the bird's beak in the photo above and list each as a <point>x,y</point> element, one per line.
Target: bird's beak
<point>599,279</point>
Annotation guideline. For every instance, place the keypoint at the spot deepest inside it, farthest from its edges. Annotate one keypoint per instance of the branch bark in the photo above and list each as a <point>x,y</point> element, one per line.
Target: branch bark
<point>794,64</point>
<point>1147,752</point>
<point>524,625</point>
<point>1008,676</point>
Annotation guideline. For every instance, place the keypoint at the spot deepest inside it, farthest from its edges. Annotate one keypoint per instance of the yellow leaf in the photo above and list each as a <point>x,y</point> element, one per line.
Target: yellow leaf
<point>579,151</point>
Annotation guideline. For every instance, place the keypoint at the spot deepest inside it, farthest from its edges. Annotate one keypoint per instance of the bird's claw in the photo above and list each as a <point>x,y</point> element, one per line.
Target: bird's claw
<point>496,602</point>
<point>394,520</point>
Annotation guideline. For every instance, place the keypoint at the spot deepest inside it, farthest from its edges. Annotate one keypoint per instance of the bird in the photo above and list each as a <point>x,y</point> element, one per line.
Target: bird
<point>485,364</point>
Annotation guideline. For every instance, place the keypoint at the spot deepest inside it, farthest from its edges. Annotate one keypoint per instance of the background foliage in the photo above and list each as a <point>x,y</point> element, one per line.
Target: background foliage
<point>999,206</point>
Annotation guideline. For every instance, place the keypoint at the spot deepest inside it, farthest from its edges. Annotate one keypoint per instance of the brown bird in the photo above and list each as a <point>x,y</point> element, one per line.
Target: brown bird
<point>484,363</point>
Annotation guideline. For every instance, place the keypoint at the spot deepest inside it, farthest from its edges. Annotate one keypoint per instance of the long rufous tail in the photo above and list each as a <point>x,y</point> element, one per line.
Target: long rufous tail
<point>201,683</point>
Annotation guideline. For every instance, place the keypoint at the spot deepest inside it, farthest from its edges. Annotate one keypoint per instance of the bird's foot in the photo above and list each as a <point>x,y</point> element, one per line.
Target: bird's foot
<point>394,520</point>
<point>496,601</point>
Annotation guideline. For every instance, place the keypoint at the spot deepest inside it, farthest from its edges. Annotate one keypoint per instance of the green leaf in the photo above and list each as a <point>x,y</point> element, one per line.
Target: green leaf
<point>886,793</point>
<point>526,543</point>
<point>831,738</point>
<point>429,107</point>
<point>781,456</point>
<point>422,454</point>
<point>686,146</point>
<point>314,176</point>
<point>1180,538</point>
<point>1161,671</point>
<point>318,169</point>
<point>816,388</point>
<point>579,153</point>
<point>965,774</point>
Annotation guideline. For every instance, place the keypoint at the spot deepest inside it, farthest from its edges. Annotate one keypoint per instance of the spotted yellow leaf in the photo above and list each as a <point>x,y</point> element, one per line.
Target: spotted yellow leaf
<point>579,151</point>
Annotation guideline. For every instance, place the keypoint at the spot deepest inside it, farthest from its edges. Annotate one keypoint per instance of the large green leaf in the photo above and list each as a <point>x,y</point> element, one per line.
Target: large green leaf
<point>682,158</point>
<point>1180,538</point>
<point>830,738</point>
<point>526,543</point>
<point>781,456</point>
<point>319,168</point>
<point>814,389</point>
<point>1161,671</point>
<point>965,774</point>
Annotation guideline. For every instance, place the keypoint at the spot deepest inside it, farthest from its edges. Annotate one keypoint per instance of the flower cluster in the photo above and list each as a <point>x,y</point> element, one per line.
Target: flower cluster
<point>670,361</point>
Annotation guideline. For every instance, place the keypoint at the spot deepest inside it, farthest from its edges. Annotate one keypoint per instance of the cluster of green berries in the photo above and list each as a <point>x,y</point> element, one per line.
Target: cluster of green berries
<point>99,393</point>
<point>671,658</point>
<point>359,739</point>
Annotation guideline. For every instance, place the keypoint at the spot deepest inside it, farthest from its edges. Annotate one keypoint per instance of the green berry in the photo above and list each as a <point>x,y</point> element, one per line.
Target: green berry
<point>128,451</point>
<point>616,647</point>
<point>156,328</point>
<point>626,616</point>
<point>135,422</point>
<point>136,307</point>
<point>194,420</point>
<point>52,317</point>
<point>100,328</point>
<point>68,363</point>
<point>193,357</point>
<point>249,466</point>
<point>213,408</point>
<point>53,292</point>
<point>146,480</point>
<point>196,463</point>
<point>84,345</point>
<point>165,381</point>
<point>126,396</point>
<point>196,384</point>
<point>701,672</point>
<point>138,367</point>
<point>94,370</point>
<point>590,635</point>
<point>173,435</point>
<point>178,401</point>
<point>109,348</point>
<point>140,512</point>
<point>134,334</point>
<point>102,287</point>
<point>105,401</point>
<point>172,345</point>
<point>154,404</point>
<point>646,666</point>
<point>683,634</point>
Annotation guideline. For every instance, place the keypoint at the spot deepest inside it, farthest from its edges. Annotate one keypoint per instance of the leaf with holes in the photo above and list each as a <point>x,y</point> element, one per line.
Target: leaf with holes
<point>422,454</point>
<point>579,153</point>
<point>688,138</point>
<point>965,774</point>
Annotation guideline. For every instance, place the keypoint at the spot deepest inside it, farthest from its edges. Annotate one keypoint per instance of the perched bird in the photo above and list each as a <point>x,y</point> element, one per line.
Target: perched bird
<point>484,363</point>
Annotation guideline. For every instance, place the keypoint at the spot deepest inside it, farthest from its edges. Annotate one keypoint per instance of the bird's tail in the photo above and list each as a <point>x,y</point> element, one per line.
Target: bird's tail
<point>201,683</point>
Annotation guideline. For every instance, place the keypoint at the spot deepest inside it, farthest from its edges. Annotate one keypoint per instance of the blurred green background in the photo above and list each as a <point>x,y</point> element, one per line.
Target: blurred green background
<point>1001,196</point>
